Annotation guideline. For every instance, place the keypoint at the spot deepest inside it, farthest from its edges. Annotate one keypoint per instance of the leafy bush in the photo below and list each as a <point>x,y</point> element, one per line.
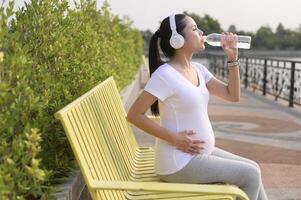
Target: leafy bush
<point>52,55</point>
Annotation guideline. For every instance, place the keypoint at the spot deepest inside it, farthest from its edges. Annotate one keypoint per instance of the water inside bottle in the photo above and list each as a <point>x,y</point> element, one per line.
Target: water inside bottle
<point>240,44</point>
<point>216,44</point>
<point>244,42</point>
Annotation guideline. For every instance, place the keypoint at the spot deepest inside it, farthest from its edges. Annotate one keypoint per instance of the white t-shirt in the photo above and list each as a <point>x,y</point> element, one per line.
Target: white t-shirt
<point>183,106</point>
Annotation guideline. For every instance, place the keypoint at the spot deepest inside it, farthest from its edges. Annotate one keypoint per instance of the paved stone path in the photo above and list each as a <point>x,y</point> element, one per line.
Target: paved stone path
<point>262,130</point>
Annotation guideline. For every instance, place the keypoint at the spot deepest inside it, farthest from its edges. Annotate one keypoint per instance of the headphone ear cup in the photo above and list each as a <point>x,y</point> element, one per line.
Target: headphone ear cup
<point>176,41</point>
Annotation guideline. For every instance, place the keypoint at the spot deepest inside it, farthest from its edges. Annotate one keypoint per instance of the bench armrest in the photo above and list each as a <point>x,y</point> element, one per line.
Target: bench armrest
<point>169,187</point>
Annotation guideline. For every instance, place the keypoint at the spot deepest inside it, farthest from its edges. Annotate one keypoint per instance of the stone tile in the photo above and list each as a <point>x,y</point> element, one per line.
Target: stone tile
<point>261,153</point>
<point>281,175</point>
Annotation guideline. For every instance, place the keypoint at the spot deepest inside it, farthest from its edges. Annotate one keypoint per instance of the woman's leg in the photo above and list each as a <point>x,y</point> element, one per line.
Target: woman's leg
<point>214,169</point>
<point>225,154</point>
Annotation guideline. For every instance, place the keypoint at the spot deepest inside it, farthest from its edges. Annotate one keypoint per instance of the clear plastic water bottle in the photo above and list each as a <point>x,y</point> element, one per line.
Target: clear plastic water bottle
<point>214,39</point>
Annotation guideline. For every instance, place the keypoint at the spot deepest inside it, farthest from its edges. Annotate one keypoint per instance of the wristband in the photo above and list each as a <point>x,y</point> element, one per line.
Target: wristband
<point>233,63</point>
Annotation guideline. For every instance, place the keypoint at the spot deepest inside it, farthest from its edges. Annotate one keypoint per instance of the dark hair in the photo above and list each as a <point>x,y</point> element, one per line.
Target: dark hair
<point>164,33</point>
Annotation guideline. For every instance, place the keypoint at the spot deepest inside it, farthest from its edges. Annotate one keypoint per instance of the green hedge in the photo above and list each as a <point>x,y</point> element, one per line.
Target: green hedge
<point>52,55</point>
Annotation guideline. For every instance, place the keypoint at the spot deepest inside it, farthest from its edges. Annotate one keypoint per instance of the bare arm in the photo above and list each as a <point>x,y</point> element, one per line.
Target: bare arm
<point>181,140</point>
<point>136,116</point>
<point>230,91</point>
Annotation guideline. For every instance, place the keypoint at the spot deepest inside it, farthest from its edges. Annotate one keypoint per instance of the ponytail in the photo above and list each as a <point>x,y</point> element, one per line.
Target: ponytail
<point>154,61</point>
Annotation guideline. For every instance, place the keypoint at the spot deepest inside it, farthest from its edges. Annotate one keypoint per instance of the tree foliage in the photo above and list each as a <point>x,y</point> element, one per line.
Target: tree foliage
<point>206,23</point>
<point>52,54</point>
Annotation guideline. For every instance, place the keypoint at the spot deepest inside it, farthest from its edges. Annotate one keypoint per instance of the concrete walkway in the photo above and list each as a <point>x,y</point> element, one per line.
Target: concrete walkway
<point>262,130</point>
<point>266,132</point>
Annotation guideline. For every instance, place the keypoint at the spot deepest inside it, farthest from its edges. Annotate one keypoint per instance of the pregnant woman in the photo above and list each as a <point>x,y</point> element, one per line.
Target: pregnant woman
<point>179,91</point>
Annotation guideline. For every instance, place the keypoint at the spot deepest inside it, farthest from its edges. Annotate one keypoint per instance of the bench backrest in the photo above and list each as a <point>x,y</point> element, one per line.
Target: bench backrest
<point>100,136</point>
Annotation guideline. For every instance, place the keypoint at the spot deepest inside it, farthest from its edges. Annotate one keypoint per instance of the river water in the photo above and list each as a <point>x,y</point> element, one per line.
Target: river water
<point>289,58</point>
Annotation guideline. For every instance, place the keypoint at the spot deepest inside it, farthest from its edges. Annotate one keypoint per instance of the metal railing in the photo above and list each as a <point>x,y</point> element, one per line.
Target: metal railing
<point>278,77</point>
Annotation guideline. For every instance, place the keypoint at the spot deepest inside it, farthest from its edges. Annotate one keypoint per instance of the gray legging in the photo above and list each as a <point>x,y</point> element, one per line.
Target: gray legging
<point>225,167</point>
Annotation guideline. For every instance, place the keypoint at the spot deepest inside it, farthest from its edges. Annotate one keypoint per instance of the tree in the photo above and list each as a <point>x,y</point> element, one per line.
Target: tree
<point>280,33</point>
<point>280,30</point>
<point>264,38</point>
<point>232,28</point>
<point>146,35</point>
<point>207,24</point>
<point>290,40</point>
<point>298,46</point>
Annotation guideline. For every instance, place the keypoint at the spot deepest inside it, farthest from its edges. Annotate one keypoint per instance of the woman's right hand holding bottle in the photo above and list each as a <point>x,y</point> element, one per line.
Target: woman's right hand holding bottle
<point>183,142</point>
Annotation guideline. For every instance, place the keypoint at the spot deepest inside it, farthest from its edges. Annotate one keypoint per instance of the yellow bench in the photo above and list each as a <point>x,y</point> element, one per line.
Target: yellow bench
<point>112,164</point>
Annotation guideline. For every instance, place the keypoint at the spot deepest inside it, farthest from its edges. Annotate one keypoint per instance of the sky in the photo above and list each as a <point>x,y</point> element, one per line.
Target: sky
<point>246,15</point>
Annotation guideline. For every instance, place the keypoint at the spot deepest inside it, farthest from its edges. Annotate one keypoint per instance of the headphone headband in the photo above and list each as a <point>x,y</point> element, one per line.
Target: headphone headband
<point>172,22</point>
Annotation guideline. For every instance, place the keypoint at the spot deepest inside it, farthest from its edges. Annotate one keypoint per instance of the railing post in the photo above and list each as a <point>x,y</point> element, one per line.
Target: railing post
<point>208,58</point>
<point>246,74</point>
<point>292,87</point>
<point>215,67</point>
<point>264,77</point>
<point>223,67</point>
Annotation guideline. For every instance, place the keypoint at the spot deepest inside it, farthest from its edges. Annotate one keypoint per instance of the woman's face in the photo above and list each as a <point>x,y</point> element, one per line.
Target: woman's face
<point>194,40</point>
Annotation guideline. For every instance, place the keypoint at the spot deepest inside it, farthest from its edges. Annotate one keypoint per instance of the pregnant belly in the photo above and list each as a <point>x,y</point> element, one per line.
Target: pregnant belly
<point>209,140</point>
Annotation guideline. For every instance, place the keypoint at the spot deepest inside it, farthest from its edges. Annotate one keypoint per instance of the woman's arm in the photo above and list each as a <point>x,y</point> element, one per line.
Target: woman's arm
<point>230,91</point>
<point>136,116</point>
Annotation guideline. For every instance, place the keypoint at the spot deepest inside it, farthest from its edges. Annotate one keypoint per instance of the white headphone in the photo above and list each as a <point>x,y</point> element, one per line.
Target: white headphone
<point>176,40</point>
